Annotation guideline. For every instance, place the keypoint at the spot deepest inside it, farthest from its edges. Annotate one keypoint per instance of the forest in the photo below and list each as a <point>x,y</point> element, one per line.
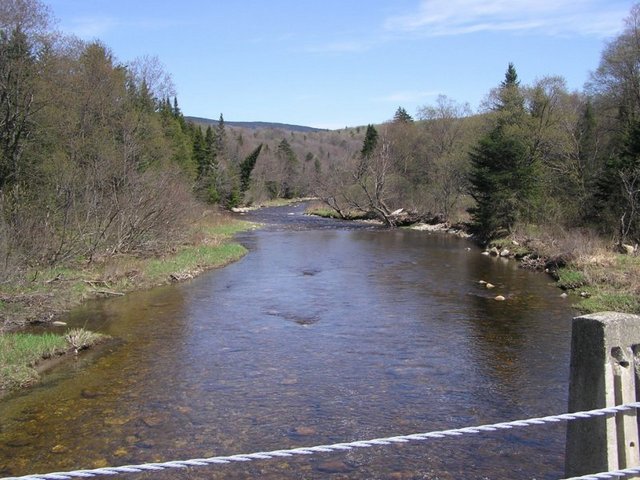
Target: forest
<point>97,159</point>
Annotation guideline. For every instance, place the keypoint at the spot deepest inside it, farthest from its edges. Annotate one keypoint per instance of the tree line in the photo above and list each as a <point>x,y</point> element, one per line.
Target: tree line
<point>96,157</point>
<point>534,154</point>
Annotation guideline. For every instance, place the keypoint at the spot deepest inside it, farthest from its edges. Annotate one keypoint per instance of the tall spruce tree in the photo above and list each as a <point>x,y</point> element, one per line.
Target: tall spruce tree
<point>401,116</point>
<point>502,177</point>
<point>246,167</point>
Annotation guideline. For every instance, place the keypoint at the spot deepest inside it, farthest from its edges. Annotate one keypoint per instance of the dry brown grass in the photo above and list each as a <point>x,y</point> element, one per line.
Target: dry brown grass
<point>609,279</point>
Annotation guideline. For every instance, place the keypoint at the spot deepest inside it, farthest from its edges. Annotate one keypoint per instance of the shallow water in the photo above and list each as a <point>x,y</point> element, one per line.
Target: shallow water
<point>325,332</point>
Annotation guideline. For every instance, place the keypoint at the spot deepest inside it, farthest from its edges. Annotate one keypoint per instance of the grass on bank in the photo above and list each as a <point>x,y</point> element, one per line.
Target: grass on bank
<point>39,294</point>
<point>611,283</point>
<point>603,279</point>
<point>20,353</point>
<point>320,209</point>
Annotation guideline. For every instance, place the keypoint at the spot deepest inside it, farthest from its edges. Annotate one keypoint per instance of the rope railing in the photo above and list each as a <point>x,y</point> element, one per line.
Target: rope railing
<point>605,475</point>
<point>336,447</point>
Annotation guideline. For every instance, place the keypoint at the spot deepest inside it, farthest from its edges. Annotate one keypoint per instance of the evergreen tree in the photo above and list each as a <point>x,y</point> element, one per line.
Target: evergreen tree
<point>290,168</point>
<point>220,137</point>
<point>502,178</point>
<point>370,142</point>
<point>369,146</point>
<point>199,150</point>
<point>401,116</point>
<point>246,167</point>
<point>617,192</point>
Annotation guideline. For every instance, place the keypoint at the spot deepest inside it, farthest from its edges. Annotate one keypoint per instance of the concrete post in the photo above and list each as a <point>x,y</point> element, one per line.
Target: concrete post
<point>605,371</point>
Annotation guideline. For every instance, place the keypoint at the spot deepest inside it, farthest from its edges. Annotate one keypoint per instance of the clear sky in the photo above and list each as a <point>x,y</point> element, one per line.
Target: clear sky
<point>336,63</point>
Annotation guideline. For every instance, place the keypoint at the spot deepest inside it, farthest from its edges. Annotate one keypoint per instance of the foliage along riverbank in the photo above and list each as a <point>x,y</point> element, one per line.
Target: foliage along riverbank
<point>39,296</point>
<point>22,354</point>
<point>599,275</point>
<point>596,275</point>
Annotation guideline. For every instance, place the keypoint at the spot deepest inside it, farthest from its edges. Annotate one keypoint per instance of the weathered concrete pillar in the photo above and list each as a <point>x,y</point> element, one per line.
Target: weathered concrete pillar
<point>605,368</point>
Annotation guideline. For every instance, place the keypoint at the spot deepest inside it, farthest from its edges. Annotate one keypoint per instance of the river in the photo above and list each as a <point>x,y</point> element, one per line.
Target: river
<point>325,332</point>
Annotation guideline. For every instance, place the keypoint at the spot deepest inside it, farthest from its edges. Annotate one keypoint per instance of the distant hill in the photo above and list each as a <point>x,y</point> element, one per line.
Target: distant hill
<point>258,125</point>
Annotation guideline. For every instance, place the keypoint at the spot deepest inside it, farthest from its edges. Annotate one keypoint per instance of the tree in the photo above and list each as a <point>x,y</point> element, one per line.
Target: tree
<point>401,116</point>
<point>444,171</point>
<point>370,141</point>
<point>615,91</point>
<point>150,71</point>
<point>289,163</point>
<point>502,177</point>
<point>615,83</point>
<point>246,167</point>
<point>220,137</point>
<point>17,89</point>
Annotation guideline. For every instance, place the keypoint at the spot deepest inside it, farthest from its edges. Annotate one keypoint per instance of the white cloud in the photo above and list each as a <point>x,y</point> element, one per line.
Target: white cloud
<point>89,28</point>
<point>551,17</point>
<point>92,27</point>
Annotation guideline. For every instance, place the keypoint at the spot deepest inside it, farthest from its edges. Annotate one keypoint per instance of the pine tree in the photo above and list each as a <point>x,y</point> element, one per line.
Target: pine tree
<point>220,137</point>
<point>369,146</point>
<point>370,142</point>
<point>246,167</point>
<point>199,150</point>
<point>290,168</point>
<point>502,179</point>
<point>401,116</point>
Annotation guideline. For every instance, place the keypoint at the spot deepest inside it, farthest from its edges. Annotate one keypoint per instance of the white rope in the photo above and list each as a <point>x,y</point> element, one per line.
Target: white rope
<point>197,462</point>
<point>604,475</point>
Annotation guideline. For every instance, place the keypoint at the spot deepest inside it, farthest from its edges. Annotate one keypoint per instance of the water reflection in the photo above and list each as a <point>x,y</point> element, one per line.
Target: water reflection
<point>319,335</point>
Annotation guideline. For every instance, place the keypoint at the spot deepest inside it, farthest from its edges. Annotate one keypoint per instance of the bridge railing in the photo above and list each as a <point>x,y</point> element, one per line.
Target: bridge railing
<point>602,431</point>
<point>605,363</point>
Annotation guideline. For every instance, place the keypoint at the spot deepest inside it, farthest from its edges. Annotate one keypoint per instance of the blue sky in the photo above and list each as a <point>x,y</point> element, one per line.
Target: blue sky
<point>336,63</point>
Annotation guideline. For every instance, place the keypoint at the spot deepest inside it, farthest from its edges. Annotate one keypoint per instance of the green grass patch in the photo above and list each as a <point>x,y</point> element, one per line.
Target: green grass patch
<point>607,301</point>
<point>37,294</point>
<point>228,229</point>
<point>21,352</point>
<point>324,212</point>
<point>321,210</point>
<point>192,260</point>
<point>569,278</point>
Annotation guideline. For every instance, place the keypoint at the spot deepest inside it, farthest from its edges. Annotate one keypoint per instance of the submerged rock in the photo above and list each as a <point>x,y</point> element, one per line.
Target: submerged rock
<point>304,431</point>
<point>89,394</point>
<point>334,466</point>
<point>499,298</point>
<point>59,449</point>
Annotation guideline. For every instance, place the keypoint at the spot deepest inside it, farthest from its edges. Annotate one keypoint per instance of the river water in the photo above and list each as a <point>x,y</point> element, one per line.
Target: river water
<point>325,332</point>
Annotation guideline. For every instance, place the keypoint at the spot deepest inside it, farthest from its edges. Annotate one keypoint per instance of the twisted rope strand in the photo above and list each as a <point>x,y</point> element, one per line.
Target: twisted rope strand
<point>196,462</point>
<point>604,475</point>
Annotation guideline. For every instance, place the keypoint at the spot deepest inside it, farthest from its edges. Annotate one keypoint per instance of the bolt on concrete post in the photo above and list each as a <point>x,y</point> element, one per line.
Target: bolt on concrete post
<point>605,369</point>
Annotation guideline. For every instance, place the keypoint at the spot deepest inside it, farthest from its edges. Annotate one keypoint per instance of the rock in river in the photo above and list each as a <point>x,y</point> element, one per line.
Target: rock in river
<point>334,466</point>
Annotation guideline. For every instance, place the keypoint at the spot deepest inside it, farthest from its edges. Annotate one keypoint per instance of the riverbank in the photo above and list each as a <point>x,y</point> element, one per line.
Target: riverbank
<point>23,356</point>
<point>591,271</point>
<point>40,296</point>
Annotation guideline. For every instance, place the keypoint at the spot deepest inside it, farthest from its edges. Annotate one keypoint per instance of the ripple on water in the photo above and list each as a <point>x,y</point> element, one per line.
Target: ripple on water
<point>398,337</point>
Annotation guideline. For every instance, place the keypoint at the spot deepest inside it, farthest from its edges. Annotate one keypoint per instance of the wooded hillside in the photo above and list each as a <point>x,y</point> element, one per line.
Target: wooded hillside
<point>96,157</point>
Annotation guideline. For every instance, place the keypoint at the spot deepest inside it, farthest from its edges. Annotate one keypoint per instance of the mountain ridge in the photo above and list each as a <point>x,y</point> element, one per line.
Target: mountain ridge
<point>258,125</point>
